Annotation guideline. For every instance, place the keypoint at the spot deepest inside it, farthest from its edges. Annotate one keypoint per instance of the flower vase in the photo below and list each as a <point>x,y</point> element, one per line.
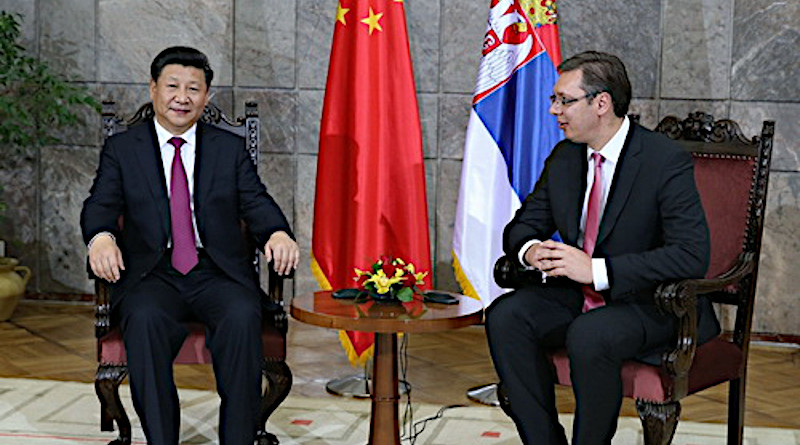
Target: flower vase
<point>13,279</point>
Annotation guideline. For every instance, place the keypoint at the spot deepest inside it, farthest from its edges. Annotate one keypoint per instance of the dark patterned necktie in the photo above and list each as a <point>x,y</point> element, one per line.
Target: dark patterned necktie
<point>592,299</point>
<point>184,250</point>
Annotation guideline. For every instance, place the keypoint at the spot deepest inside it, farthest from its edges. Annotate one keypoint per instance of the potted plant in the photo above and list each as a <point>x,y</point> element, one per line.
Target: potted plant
<point>34,102</point>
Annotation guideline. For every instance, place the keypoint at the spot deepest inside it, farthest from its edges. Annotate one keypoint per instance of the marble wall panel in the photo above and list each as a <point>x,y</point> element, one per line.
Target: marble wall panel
<point>314,37</point>
<point>86,131</point>
<point>429,119</point>
<point>278,173</point>
<point>647,110</point>
<point>223,97</point>
<point>682,108</point>
<point>697,41</point>
<point>786,151</point>
<point>304,281</point>
<point>309,114</point>
<point>431,173</point>
<point>463,26</point>
<point>776,292</point>
<point>67,174</point>
<point>19,226</point>
<point>127,47</point>
<point>423,18</point>
<point>27,9</point>
<point>67,37</point>
<point>127,97</point>
<point>265,43</point>
<point>454,112</point>
<point>630,30</point>
<point>446,199</point>
<point>764,57</point>
<point>278,111</point>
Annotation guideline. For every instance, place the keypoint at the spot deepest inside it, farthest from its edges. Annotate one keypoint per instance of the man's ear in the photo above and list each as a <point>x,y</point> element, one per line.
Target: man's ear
<point>604,103</point>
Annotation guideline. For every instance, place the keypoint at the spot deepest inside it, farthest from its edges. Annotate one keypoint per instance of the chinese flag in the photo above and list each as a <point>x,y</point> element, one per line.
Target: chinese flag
<point>370,196</point>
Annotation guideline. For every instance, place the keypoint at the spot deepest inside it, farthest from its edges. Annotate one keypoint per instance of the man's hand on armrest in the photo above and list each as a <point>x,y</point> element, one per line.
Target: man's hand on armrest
<point>105,258</point>
<point>282,250</point>
<point>561,260</point>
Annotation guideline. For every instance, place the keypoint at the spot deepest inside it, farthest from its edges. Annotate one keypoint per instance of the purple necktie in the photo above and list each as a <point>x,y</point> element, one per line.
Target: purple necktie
<point>592,299</point>
<point>184,250</point>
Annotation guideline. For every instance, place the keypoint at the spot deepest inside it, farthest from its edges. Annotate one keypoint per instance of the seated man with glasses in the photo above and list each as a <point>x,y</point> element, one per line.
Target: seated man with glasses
<point>624,201</point>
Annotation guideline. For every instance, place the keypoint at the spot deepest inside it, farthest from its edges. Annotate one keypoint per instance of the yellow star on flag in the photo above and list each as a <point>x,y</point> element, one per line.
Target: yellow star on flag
<point>340,13</point>
<point>373,21</point>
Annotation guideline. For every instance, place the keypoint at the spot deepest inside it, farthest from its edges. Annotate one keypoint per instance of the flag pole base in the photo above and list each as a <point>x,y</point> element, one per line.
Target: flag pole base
<point>484,394</point>
<point>357,386</point>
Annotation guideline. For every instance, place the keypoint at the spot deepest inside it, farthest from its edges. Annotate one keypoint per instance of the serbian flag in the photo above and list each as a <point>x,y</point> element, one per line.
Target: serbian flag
<point>509,135</point>
<point>370,196</point>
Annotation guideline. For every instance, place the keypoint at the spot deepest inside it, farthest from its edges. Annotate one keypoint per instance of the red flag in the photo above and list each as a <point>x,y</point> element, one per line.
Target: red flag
<point>370,196</point>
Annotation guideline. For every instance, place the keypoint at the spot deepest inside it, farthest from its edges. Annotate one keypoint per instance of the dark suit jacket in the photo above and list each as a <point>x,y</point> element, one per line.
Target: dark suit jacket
<point>653,228</point>
<point>130,184</point>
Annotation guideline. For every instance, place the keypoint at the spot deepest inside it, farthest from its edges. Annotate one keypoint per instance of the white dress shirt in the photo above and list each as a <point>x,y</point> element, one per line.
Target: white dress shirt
<point>188,155</point>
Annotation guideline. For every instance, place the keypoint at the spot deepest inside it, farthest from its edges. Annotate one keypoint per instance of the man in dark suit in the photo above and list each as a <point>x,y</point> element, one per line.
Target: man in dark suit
<point>182,189</point>
<point>639,224</point>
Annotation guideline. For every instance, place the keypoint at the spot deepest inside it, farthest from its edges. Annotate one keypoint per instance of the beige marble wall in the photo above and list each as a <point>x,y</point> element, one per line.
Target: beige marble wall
<point>732,58</point>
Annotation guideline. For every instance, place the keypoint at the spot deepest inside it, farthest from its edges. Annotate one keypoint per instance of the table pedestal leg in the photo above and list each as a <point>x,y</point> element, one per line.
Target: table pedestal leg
<point>384,425</point>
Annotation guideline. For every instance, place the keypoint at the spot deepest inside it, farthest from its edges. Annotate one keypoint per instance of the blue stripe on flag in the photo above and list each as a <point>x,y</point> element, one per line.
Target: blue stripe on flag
<point>517,117</point>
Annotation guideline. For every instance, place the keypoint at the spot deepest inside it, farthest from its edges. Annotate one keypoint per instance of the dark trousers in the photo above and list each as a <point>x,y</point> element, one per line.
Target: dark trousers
<point>524,325</point>
<point>152,318</point>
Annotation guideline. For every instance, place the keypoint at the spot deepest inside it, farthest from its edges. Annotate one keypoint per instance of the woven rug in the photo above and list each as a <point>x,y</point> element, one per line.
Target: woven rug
<point>43,412</point>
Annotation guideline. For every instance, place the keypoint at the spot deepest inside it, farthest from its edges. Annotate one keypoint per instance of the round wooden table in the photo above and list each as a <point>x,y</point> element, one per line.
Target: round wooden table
<point>385,320</point>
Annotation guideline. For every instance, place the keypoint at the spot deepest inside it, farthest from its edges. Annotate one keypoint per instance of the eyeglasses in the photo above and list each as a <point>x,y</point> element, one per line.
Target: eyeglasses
<point>567,101</point>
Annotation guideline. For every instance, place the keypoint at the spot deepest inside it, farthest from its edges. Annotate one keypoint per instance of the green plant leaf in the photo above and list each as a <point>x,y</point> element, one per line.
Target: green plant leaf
<point>405,294</point>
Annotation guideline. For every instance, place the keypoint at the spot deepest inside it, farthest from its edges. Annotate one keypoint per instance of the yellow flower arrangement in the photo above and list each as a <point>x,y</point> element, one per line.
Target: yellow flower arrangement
<point>390,279</point>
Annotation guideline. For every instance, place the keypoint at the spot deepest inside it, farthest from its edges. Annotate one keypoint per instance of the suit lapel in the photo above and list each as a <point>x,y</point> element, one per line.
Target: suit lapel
<point>575,190</point>
<point>206,155</point>
<point>149,158</point>
<point>622,185</point>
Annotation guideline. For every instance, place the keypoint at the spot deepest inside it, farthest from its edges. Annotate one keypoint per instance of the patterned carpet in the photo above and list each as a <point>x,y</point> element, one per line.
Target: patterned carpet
<point>42,412</point>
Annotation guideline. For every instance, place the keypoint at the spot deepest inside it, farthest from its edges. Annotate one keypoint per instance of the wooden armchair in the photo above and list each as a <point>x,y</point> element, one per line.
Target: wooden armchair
<point>731,173</point>
<point>112,368</point>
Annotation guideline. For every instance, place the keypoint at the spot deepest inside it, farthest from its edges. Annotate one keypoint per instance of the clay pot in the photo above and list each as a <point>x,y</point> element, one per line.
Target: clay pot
<point>13,279</point>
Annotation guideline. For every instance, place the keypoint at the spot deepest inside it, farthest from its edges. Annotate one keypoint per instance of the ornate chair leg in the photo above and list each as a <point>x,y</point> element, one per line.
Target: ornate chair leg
<point>106,385</point>
<point>659,421</point>
<point>279,383</point>
<point>736,412</point>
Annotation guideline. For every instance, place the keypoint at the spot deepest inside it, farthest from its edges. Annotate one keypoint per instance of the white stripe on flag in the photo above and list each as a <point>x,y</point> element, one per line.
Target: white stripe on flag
<point>486,203</point>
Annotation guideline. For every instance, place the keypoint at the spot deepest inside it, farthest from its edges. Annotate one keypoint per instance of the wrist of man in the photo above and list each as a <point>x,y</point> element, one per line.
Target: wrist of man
<point>524,250</point>
<point>99,235</point>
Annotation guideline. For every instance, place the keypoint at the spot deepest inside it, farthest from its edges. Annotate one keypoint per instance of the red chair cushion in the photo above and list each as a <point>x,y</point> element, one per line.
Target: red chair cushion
<point>194,349</point>
<point>715,362</point>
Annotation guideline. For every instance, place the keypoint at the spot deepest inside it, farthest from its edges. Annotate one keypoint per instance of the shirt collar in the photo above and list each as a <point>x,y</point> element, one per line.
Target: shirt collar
<point>613,148</point>
<point>164,135</point>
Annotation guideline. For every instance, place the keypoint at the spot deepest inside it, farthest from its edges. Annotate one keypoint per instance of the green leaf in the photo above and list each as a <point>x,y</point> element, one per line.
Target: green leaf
<point>35,100</point>
<point>405,295</point>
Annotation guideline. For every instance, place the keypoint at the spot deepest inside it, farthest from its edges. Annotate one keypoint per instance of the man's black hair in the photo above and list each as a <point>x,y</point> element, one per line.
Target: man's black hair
<point>602,72</point>
<point>181,55</point>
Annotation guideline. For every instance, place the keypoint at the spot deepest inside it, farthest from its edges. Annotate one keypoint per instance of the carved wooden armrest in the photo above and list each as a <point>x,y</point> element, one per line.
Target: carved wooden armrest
<point>510,275</point>
<point>275,296</point>
<point>679,298</point>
